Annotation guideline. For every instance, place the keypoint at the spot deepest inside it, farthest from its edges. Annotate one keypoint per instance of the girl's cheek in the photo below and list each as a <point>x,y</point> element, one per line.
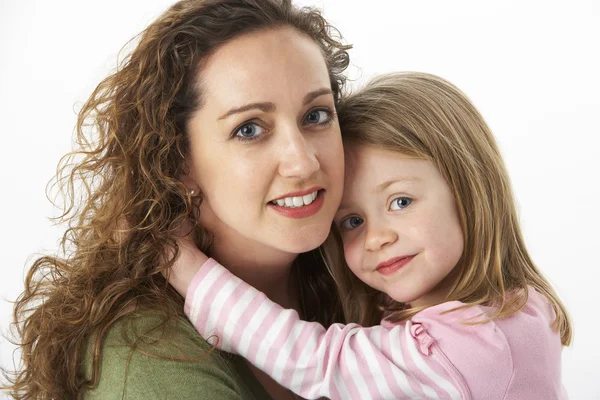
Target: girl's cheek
<point>352,253</point>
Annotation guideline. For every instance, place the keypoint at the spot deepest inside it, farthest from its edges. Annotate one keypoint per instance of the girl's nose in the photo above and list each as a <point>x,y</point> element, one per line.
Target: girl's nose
<point>379,237</point>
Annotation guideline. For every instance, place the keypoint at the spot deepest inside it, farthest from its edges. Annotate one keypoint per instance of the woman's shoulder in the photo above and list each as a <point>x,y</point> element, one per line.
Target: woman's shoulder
<point>145,357</point>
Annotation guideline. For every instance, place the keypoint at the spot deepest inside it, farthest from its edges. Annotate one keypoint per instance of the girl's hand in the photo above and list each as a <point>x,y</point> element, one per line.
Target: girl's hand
<point>187,264</point>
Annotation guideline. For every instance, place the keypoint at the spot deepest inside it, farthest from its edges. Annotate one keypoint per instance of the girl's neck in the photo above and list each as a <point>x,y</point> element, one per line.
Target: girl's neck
<point>439,294</point>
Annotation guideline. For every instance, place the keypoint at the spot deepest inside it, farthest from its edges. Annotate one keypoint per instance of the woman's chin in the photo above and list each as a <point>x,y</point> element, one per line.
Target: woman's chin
<point>304,241</point>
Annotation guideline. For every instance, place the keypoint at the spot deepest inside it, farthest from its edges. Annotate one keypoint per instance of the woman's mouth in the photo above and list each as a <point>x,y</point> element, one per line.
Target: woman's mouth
<point>299,205</point>
<point>296,201</point>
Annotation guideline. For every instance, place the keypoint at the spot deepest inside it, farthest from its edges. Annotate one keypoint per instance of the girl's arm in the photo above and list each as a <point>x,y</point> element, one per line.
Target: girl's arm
<point>343,362</point>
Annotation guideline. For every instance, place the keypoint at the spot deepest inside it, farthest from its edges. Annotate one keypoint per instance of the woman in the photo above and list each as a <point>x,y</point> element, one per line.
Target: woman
<point>223,115</point>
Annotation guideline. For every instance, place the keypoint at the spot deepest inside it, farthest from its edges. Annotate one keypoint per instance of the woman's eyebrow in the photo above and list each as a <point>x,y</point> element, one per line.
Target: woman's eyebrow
<point>264,107</point>
<point>270,107</point>
<point>314,94</point>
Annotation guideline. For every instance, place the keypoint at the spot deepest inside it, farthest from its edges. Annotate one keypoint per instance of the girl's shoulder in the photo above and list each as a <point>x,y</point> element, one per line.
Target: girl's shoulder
<point>460,325</point>
<point>536,312</point>
<point>481,348</point>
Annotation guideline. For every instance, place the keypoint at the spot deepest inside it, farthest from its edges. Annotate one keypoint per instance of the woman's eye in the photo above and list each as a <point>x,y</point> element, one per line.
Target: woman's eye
<point>248,131</point>
<point>400,203</point>
<point>351,223</point>
<point>318,117</point>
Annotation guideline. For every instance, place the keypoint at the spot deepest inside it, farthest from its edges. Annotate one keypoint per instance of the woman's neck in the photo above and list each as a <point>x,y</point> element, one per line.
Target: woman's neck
<point>267,269</point>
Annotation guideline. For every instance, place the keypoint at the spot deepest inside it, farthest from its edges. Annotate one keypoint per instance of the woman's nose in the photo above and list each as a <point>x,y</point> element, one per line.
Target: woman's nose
<point>298,157</point>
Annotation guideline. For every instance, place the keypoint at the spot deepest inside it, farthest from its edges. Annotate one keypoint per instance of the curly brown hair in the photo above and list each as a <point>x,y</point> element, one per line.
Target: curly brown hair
<point>124,199</point>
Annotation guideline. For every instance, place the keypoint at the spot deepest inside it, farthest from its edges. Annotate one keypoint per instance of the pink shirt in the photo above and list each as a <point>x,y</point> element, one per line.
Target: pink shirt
<point>429,356</point>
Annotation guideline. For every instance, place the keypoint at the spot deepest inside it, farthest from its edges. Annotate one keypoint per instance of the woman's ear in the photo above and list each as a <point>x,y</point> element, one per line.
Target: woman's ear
<point>188,178</point>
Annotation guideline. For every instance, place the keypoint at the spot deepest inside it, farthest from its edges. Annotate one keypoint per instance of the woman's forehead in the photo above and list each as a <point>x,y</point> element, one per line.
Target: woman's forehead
<point>266,66</point>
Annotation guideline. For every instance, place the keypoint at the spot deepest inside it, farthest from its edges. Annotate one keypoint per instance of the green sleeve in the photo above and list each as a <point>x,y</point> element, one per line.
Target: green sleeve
<point>180,365</point>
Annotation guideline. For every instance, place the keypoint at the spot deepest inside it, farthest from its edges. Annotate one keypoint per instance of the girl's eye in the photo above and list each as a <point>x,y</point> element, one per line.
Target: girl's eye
<point>351,223</point>
<point>248,131</point>
<point>400,203</point>
<point>318,117</point>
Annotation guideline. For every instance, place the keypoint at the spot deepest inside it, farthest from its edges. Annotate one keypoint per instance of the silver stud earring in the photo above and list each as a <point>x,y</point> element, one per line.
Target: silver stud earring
<point>192,192</point>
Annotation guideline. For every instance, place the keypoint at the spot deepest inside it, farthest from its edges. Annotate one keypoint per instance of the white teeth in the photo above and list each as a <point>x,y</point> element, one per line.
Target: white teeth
<point>297,201</point>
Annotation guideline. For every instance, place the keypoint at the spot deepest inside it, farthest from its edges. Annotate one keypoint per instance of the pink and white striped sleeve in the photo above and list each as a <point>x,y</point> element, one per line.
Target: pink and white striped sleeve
<point>343,362</point>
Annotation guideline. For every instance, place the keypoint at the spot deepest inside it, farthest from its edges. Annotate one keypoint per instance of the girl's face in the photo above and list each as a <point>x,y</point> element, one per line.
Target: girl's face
<point>266,150</point>
<point>399,225</point>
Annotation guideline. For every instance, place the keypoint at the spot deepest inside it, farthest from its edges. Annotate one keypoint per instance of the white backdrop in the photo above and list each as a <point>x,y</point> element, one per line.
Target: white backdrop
<point>531,67</point>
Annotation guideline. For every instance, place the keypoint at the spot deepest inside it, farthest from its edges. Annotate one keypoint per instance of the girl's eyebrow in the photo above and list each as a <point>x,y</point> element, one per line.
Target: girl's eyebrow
<point>341,210</point>
<point>381,187</point>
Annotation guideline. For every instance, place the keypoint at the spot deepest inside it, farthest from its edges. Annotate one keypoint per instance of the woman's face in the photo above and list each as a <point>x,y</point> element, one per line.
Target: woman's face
<point>266,150</point>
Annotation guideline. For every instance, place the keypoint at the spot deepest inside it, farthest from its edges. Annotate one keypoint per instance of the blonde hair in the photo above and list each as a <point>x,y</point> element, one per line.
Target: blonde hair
<point>424,116</point>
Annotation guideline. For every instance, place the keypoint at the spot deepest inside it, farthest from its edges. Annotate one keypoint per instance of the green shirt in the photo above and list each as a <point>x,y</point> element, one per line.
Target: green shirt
<point>215,375</point>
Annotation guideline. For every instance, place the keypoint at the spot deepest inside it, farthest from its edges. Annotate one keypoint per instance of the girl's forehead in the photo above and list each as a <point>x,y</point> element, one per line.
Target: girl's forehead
<point>360,155</point>
<point>373,169</point>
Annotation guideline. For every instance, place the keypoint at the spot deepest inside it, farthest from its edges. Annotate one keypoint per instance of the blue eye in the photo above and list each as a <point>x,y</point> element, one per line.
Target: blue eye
<point>318,117</point>
<point>248,131</point>
<point>351,223</point>
<point>399,203</point>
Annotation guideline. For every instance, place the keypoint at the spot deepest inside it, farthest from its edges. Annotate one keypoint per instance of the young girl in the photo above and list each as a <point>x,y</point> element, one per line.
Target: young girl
<point>428,223</point>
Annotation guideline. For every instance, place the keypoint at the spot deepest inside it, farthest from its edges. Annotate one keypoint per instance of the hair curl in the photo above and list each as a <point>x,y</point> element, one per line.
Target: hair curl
<point>124,200</point>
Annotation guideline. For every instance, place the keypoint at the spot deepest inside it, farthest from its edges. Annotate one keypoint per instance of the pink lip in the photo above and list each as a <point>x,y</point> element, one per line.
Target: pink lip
<point>393,264</point>
<point>301,212</point>
<point>298,194</point>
